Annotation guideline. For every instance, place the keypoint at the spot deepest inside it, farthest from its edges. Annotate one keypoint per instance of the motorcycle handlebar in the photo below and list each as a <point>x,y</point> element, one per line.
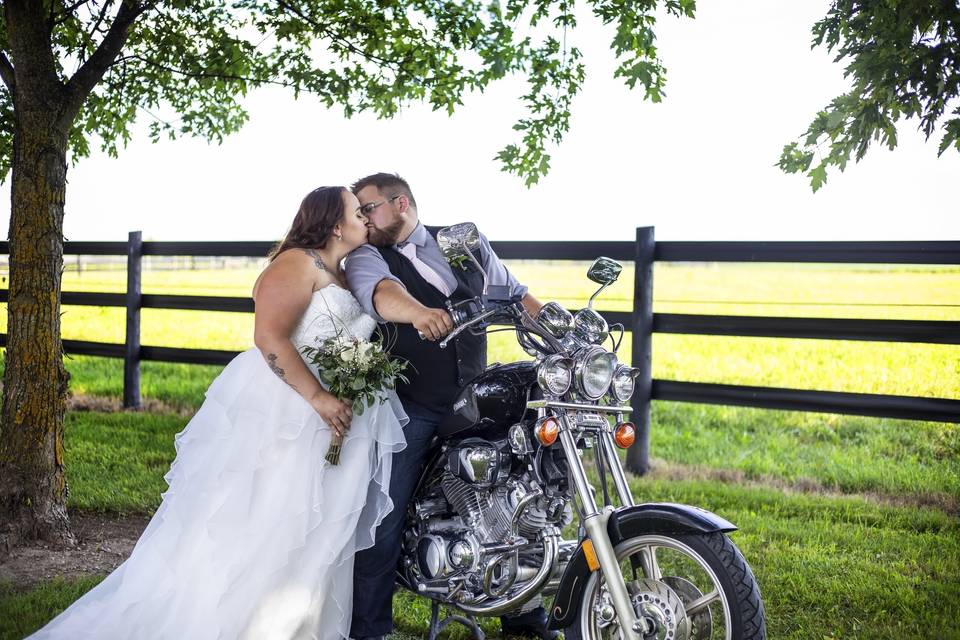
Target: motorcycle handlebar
<point>463,320</point>
<point>466,325</point>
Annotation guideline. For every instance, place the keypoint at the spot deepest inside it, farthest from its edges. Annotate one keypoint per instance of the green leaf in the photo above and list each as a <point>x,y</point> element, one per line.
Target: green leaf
<point>951,135</point>
<point>835,119</point>
<point>818,176</point>
<point>900,61</point>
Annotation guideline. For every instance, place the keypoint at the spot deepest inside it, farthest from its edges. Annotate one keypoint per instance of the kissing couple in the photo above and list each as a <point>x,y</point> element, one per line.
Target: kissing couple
<point>257,536</point>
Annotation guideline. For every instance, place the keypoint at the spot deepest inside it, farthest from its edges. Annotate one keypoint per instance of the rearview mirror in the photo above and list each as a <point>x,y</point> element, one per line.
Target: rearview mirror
<point>604,271</point>
<point>458,240</point>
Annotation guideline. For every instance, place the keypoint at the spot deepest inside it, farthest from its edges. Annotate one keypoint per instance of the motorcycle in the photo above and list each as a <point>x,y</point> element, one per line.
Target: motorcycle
<point>505,476</point>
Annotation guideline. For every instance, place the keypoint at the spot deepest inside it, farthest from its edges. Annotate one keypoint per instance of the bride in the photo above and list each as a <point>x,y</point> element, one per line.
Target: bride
<point>256,534</point>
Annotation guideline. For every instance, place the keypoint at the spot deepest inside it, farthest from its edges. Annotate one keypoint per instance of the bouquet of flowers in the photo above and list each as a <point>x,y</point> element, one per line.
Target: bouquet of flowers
<point>356,371</point>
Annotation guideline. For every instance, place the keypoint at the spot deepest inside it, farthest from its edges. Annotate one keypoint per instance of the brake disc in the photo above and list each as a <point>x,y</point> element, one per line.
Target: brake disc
<point>701,624</point>
<point>661,606</point>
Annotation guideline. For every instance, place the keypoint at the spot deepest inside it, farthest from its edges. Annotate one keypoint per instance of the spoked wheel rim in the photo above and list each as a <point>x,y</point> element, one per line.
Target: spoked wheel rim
<point>682,598</point>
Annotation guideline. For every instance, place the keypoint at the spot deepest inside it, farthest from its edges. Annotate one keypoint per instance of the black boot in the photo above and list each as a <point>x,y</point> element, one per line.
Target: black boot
<point>532,624</point>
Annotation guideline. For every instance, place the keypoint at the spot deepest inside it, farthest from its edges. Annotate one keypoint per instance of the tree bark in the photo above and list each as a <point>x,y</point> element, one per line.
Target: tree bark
<point>33,487</point>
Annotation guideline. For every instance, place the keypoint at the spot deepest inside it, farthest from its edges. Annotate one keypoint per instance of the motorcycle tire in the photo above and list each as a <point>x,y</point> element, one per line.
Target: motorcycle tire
<point>735,611</point>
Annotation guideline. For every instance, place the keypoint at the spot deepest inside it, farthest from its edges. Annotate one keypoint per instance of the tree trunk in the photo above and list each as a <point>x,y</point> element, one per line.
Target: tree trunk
<point>33,487</point>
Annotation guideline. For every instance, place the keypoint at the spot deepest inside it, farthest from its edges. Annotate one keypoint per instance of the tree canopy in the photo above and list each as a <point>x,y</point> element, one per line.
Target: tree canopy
<point>185,65</point>
<point>903,57</point>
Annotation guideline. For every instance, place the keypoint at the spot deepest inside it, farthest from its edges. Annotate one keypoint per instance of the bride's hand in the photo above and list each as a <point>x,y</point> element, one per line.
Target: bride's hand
<point>334,411</point>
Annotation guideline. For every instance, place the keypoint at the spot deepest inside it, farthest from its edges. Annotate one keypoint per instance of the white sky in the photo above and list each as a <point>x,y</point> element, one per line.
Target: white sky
<point>742,82</point>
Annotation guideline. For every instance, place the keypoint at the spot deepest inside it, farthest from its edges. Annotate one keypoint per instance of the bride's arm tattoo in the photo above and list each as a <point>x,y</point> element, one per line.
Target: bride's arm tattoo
<point>272,363</point>
<point>316,259</point>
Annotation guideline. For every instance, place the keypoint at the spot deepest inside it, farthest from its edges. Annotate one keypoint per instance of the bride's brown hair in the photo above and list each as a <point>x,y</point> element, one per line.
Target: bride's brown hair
<point>313,225</point>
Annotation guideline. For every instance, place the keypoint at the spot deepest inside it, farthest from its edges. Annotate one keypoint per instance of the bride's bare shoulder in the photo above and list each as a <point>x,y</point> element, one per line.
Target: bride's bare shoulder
<point>293,268</point>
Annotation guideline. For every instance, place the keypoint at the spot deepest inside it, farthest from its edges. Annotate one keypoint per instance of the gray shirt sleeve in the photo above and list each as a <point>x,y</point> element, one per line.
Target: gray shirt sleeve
<point>365,268</point>
<point>497,272</point>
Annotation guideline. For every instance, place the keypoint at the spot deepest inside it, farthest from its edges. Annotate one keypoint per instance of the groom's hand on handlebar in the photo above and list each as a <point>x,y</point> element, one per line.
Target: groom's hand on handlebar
<point>433,324</point>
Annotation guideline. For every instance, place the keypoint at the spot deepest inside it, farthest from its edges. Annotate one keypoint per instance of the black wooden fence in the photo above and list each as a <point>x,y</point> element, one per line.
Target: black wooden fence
<point>642,252</point>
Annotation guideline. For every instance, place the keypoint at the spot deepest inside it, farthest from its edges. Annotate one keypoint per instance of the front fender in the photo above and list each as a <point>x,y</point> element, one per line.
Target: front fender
<point>663,518</point>
<point>657,518</point>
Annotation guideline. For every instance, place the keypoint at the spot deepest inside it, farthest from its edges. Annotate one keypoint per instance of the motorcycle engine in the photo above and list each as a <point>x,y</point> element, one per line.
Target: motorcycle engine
<point>469,510</point>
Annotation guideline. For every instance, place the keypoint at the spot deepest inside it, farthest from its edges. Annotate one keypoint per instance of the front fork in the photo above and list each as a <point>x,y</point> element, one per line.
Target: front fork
<point>595,522</point>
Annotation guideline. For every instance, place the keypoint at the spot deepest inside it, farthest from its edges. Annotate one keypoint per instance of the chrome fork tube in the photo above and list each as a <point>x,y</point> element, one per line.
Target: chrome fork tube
<point>595,523</point>
<point>576,470</point>
<point>616,469</point>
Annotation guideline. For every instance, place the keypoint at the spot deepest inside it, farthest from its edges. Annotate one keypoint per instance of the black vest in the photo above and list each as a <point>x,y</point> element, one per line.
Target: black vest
<point>435,375</point>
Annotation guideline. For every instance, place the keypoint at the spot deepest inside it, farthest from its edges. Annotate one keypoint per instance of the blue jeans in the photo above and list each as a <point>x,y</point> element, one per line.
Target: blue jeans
<point>374,569</point>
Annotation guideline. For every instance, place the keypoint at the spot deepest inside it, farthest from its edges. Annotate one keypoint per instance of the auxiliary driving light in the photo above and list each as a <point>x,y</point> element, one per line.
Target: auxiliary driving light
<point>547,431</point>
<point>624,434</point>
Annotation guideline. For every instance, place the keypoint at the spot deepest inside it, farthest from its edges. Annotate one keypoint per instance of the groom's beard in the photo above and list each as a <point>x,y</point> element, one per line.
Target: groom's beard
<point>386,237</point>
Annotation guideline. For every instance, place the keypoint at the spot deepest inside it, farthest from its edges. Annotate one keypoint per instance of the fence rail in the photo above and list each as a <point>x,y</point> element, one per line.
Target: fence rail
<point>642,322</point>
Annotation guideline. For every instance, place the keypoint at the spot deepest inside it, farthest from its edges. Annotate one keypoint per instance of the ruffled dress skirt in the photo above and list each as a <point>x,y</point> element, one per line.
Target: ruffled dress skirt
<point>256,534</point>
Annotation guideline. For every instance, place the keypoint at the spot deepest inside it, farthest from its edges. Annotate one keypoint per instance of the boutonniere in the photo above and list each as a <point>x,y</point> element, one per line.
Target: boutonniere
<point>459,261</point>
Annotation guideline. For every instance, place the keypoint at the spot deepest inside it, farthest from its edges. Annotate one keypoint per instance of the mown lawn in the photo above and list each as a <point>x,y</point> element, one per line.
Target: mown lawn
<point>931,293</point>
<point>830,566</point>
<point>851,524</point>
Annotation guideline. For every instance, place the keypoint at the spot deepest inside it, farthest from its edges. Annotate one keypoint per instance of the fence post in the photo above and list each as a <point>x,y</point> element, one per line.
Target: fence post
<point>638,456</point>
<point>131,354</point>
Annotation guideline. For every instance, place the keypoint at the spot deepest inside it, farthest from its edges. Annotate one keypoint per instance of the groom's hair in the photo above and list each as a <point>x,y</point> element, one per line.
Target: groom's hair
<point>389,184</point>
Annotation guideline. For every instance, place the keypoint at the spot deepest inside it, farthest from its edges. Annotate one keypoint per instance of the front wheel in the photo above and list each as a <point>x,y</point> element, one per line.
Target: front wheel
<point>685,587</point>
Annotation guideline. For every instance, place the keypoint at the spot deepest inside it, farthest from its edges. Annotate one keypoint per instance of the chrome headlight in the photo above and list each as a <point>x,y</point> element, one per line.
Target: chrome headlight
<point>555,374</point>
<point>557,320</point>
<point>623,382</point>
<point>590,327</point>
<point>595,372</point>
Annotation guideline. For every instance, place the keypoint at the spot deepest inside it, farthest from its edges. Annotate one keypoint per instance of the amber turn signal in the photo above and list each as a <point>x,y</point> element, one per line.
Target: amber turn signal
<point>590,555</point>
<point>547,431</point>
<point>624,434</point>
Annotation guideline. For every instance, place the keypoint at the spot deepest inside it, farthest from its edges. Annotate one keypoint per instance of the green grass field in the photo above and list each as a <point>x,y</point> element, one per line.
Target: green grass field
<point>928,293</point>
<point>850,524</point>
<point>830,566</point>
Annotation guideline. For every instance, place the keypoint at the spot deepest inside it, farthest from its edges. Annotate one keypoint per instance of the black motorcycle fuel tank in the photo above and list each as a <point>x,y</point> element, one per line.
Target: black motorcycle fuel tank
<point>490,403</point>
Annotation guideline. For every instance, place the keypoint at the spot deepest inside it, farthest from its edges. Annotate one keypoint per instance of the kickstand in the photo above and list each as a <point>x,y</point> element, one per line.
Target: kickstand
<point>437,625</point>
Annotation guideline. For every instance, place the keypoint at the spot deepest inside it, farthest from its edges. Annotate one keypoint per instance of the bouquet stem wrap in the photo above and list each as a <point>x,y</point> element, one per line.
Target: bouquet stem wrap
<point>333,453</point>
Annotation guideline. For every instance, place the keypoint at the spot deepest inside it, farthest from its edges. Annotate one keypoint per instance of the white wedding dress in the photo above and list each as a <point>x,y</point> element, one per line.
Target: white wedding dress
<point>256,535</point>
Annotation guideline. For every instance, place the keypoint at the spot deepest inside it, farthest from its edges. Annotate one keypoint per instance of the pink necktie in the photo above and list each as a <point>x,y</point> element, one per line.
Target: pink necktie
<point>426,271</point>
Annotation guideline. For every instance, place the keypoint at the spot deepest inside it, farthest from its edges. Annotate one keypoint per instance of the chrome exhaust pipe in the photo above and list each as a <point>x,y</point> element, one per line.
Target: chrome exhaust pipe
<point>525,592</point>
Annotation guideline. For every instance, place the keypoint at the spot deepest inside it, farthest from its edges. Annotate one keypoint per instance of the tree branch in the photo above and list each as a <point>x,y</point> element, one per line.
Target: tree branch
<point>103,13</point>
<point>6,72</point>
<point>88,75</point>
<point>68,11</point>
<point>349,46</point>
<point>204,74</point>
<point>89,35</point>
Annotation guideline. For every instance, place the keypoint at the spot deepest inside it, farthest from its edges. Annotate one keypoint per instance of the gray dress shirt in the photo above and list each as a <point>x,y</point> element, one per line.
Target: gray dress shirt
<point>365,267</point>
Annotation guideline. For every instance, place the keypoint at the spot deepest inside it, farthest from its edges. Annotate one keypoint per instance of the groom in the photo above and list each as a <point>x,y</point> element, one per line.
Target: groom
<point>401,279</point>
